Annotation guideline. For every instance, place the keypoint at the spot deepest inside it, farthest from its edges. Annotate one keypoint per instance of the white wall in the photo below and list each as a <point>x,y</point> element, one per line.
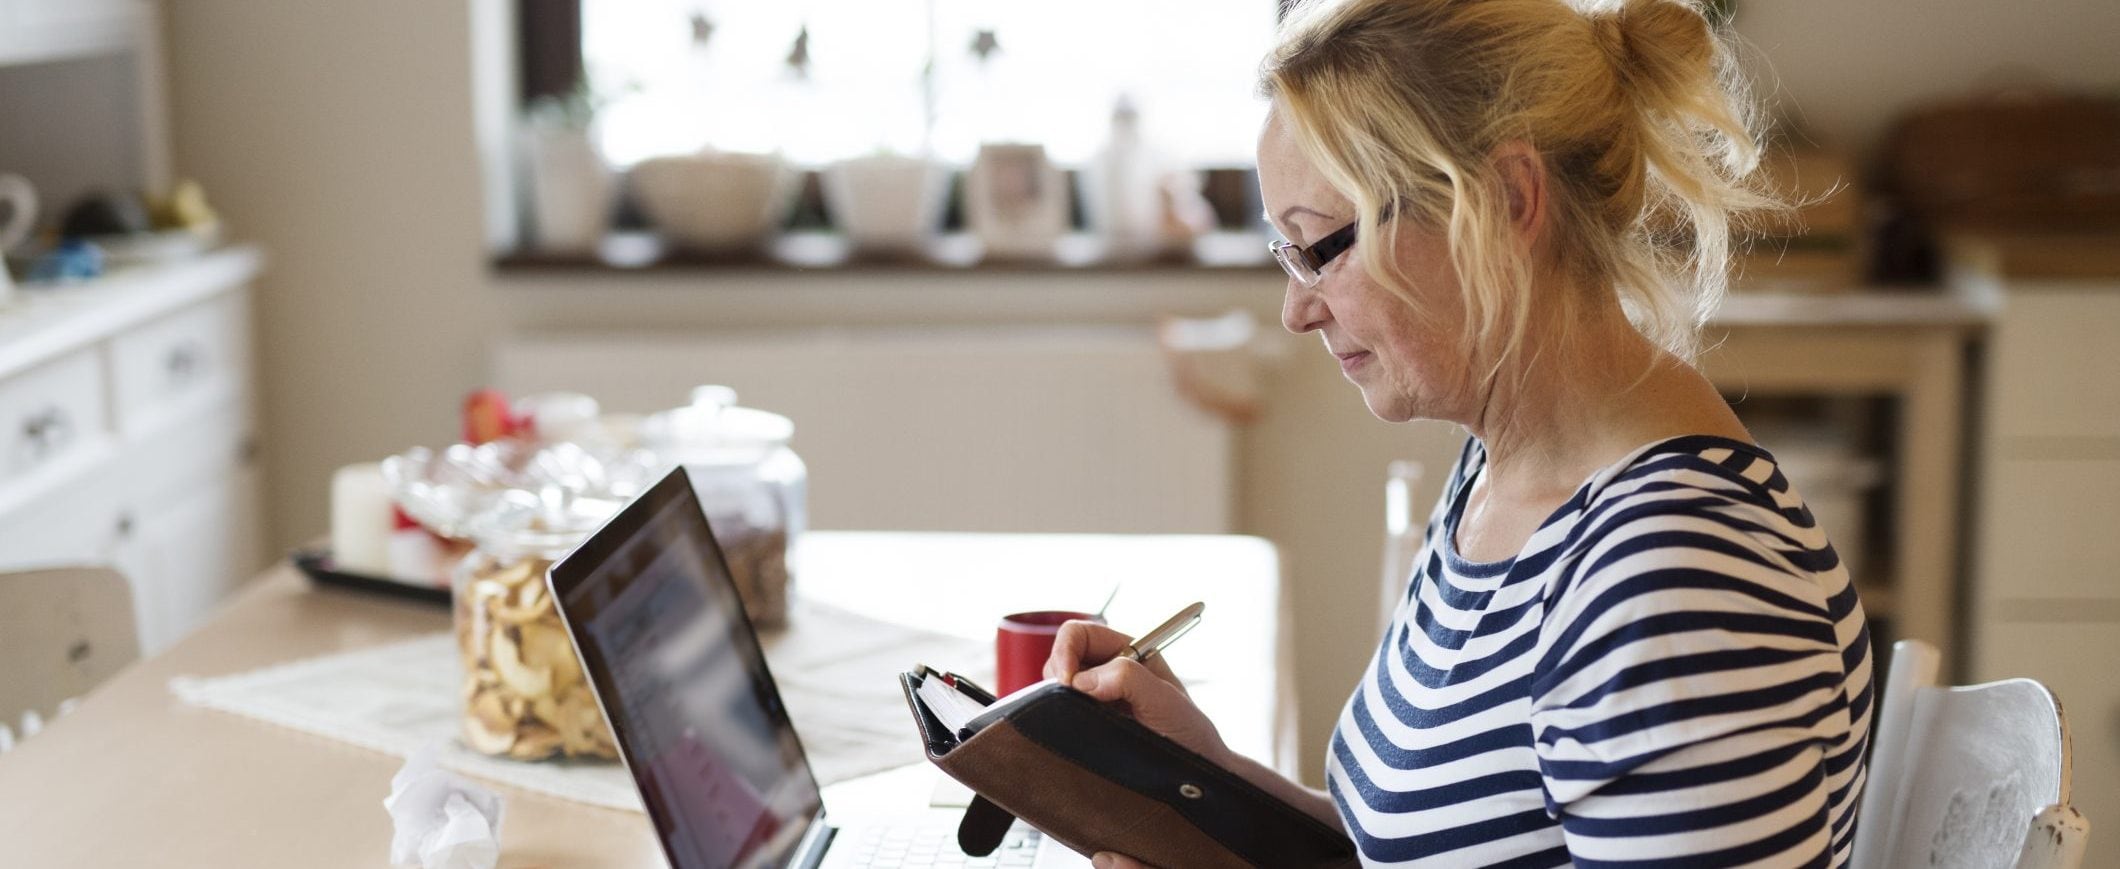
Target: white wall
<point>1847,66</point>
<point>340,136</point>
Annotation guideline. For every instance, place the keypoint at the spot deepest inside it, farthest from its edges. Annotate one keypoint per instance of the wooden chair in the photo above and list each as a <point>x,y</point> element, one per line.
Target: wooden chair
<point>1973,776</point>
<point>62,632</point>
<point>1402,536</point>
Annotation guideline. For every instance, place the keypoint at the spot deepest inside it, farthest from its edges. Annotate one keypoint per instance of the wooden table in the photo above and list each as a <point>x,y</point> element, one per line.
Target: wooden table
<point>136,778</point>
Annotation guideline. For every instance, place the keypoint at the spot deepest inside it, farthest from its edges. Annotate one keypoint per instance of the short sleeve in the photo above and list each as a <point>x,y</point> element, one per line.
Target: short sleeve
<point>1688,685</point>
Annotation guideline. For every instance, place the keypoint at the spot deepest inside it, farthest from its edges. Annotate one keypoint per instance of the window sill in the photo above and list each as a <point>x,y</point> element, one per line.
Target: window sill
<point>956,253</point>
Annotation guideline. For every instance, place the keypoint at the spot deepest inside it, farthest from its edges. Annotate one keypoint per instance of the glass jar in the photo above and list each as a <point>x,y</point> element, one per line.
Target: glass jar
<point>524,693</point>
<point>752,486</point>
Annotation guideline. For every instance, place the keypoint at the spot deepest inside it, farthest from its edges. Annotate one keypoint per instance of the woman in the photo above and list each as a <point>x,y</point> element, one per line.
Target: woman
<point>1626,641</point>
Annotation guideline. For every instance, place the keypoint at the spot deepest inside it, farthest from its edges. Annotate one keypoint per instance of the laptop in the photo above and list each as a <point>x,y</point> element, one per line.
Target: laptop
<point>677,668</point>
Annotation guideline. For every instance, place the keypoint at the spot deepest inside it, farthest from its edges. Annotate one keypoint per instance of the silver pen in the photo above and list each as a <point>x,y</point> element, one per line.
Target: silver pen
<point>1164,634</point>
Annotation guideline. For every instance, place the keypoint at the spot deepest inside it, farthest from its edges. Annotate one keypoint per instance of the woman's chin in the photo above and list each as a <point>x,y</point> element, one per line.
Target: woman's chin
<point>1389,407</point>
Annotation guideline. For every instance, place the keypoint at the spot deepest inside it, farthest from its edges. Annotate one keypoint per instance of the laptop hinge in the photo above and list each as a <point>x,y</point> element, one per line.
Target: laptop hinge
<point>815,842</point>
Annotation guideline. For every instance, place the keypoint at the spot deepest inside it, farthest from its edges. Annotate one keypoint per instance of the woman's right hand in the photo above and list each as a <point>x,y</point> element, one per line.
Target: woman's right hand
<point>1086,657</point>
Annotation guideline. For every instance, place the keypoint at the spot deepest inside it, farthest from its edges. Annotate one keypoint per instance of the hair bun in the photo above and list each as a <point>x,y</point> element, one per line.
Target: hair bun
<point>1609,30</point>
<point>1657,45</point>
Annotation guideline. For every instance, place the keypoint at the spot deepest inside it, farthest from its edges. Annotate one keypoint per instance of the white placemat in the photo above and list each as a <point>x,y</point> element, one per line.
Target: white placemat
<point>836,673</point>
<point>396,699</point>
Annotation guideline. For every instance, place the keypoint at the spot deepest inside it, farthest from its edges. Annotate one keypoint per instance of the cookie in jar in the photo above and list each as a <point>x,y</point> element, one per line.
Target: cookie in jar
<point>524,693</point>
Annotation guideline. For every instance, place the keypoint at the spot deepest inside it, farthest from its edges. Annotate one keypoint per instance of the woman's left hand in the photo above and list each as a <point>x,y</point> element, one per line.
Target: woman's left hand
<point>1110,860</point>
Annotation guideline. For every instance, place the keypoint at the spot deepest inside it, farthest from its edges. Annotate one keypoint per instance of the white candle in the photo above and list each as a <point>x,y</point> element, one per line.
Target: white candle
<point>360,519</point>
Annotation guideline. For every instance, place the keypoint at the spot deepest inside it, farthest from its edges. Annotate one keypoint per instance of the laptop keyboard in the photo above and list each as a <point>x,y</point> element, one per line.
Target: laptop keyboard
<point>888,845</point>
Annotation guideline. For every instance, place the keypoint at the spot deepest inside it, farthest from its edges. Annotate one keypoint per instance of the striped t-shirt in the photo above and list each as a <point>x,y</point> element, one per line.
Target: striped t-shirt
<point>1673,671</point>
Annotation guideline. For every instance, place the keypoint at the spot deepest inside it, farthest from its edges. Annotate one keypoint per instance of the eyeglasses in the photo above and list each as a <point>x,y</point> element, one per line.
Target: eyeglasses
<point>1307,264</point>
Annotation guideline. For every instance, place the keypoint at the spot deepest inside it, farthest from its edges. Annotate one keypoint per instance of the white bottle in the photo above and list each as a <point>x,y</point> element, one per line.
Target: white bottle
<point>1122,191</point>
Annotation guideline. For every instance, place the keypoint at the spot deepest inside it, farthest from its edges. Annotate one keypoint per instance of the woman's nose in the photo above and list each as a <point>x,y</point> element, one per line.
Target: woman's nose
<point>1302,308</point>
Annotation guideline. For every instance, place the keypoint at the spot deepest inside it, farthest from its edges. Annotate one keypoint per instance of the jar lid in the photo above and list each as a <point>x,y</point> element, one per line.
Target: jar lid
<point>448,491</point>
<point>544,523</point>
<point>713,425</point>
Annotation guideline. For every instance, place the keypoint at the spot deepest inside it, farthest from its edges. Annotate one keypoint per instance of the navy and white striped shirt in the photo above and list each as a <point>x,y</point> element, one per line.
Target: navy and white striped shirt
<point>1673,671</point>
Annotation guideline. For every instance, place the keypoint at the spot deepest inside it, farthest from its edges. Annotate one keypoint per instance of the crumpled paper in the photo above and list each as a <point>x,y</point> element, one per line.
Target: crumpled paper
<point>442,820</point>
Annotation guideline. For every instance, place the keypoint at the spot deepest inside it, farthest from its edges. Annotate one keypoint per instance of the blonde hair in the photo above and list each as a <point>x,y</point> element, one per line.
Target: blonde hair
<point>1634,107</point>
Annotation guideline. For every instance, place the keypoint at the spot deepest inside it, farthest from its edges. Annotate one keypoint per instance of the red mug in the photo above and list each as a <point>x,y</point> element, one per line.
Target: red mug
<point>1022,642</point>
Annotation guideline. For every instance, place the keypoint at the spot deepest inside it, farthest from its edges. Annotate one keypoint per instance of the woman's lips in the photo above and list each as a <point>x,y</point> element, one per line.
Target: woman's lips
<point>1351,361</point>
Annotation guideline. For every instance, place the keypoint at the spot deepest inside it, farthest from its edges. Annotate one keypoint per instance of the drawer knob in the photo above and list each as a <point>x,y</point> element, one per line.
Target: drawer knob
<point>44,432</point>
<point>184,362</point>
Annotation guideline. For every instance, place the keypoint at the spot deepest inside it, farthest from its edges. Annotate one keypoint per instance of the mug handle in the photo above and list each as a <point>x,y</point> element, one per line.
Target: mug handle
<point>22,215</point>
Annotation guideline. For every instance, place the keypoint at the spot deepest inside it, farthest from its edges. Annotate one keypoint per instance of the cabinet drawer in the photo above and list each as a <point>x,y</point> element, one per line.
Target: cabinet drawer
<point>81,521</point>
<point>172,362</point>
<point>2075,661</point>
<point>198,446</point>
<point>2049,529</point>
<point>51,413</point>
<point>2056,370</point>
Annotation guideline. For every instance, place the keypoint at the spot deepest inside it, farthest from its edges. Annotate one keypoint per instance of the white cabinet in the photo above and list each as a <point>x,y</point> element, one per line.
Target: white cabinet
<point>125,413</point>
<point>186,556</point>
<point>150,470</point>
<point>2055,368</point>
<point>2046,573</point>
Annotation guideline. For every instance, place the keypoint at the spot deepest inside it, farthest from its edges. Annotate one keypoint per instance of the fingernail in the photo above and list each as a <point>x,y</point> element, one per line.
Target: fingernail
<point>1102,860</point>
<point>1085,681</point>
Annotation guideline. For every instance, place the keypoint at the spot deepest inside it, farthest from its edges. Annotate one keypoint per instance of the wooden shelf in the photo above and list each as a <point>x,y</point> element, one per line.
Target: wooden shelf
<point>954,252</point>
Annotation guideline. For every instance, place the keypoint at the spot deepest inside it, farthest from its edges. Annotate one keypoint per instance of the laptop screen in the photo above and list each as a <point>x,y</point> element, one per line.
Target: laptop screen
<point>678,668</point>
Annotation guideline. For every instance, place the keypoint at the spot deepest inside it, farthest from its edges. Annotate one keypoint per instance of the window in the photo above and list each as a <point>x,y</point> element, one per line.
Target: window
<point>672,76</point>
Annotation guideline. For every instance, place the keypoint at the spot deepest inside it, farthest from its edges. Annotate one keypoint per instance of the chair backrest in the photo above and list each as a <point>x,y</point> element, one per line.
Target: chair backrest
<point>1402,536</point>
<point>62,631</point>
<point>1974,776</point>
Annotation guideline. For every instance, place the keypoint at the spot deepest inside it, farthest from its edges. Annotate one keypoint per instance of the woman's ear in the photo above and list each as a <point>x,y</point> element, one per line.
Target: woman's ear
<point>1523,177</point>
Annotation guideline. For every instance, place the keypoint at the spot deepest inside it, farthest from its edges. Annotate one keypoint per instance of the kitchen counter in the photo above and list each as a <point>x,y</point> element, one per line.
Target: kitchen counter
<point>43,321</point>
<point>1884,306</point>
<point>2024,256</point>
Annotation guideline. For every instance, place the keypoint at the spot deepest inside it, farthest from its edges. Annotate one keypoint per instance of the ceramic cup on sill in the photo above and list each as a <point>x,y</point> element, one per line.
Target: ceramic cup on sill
<point>571,189</point>
<point>887,204</point>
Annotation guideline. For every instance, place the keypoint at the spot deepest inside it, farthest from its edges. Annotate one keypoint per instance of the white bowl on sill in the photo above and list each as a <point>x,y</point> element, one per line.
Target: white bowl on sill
<point>887,203</point>
<point>715,202</point>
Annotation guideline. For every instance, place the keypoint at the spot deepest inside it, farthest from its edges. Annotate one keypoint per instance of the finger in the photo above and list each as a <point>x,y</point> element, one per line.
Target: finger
<point>1129,682</point>
<point>1111,860</point>
<point>1080,643</point>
